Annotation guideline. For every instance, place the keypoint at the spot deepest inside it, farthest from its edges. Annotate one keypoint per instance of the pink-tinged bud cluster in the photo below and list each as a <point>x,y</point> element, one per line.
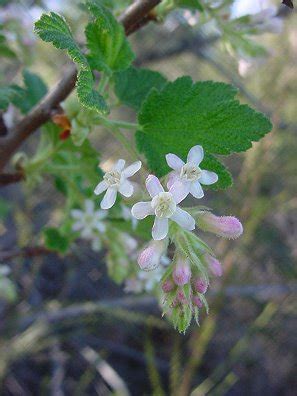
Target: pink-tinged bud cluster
<point>200,285</point>
<point>149,257</point>
<point>225,226</point>
<point>197,301</point>
<point>214,265</point>
<point>182,272</point>
<point>181,297</point>
<point>168,286</point>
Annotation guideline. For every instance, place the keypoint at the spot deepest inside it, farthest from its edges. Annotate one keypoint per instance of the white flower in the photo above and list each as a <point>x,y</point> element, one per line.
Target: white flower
<point>189,175</point>
<point>89,222</point>
<point>117,181</point>
<point>164,206</point>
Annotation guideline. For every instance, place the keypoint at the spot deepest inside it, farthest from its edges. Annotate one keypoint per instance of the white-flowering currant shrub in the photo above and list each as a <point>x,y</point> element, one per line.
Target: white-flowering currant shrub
<point>145,212</point>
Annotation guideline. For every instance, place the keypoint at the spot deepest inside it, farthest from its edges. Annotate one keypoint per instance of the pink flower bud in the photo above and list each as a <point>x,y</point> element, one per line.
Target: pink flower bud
<point>196,301</point>
<point>167,286</point>
<point>225,226</point>
<point>214,265</point>
<point>181,298</point>
<point>182,272</point>
<point>200,285</point>
<point>150,256</point>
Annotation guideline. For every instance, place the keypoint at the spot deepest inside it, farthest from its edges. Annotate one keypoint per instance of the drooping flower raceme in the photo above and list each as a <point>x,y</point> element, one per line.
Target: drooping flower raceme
<point>116,181</point>
<point>189,174</point>
<point>164,205</point>
<point>89,222</point>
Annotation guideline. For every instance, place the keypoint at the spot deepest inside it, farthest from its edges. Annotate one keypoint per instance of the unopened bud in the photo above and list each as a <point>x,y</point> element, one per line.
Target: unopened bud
<point>182,272</point>
<point>149,257</point>
<point>225,226</point>
<point>214,265</point>
<point>167,286</point>
<point>200,285</point>
<point>196,301</point>
<point>181,298</point>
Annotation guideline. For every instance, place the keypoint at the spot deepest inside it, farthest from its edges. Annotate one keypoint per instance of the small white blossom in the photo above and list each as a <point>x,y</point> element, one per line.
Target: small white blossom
<point>189,175</point>
<point>116,181</point>
<point>89,223</point>
<point>164,205</point>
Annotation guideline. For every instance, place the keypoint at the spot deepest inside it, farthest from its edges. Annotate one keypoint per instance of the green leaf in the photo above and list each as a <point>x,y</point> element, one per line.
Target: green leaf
<point>192,4</point>
<point>133,85</point>
<point>184,114</point>
<point>109,49</point>
<point>88,96</point>
<point>53,28</point>
<point>7,95</point>
<point>54,240</point>
<point>5,51</point>
<point>34,90</point>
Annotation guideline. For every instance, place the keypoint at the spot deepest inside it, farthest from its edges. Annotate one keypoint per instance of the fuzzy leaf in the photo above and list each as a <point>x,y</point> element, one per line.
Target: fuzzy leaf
<point>7,95</point>
<point>191,4</point>
<point>109,49</point>
<point>34,90</point>
<point>133,85</point>
<point>184,114</point>
<point>53,28</point>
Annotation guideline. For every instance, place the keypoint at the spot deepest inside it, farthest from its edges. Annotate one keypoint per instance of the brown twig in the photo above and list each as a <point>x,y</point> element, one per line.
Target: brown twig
<point>8,178</point>
<point>30,251</point>
<point>41,113</point>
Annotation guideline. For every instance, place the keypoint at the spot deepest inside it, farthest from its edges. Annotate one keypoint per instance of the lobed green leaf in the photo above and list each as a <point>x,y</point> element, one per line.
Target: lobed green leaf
<point>184,114</point>
<point>133,85</point>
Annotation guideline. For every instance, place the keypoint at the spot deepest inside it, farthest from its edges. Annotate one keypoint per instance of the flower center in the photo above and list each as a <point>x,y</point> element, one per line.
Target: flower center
<point>113,178</point>
<point>164,204</point>
<point>190,172</point>
<point>88,220</point>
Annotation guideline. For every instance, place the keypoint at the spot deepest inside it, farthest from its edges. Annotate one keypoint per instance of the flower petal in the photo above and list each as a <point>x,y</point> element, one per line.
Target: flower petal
<point>89,206</point>
<point>208,177</point>
<point>77,214</point>
<point>141,210</point>
<point>78,225</point>
<point>102,186</point>
<point>132,169</point>
<point>153,185</point>
<point>100,214</point>
<point>101,227</point>
<point>174,161</point>
<point>87,233</point>
<point>109,198</point>
<point>179,190</point>
<point>184,219</point>
<point>126,188</point>
<point>195,155</point>
<point>119,166</point>
<point>196,190</point>
<point>160,229</point>
<point>172,178</point>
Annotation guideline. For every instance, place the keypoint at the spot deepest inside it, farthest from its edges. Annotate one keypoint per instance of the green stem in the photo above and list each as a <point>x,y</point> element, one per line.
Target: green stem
<point>119,124</point>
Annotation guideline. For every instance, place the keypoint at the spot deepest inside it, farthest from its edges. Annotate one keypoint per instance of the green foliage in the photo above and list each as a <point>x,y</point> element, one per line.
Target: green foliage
<point>5,51</point>
<point>133,85</point>
<point>109,49</point>
<point>7,94</point>
<point>54,240</point>
<point>204,113</point>
<point>53,28</point>
<point>34,90</point>
<point>192,4</point>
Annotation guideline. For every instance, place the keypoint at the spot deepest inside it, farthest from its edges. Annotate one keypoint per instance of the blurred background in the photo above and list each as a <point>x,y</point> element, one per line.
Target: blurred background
<point>67,329</point>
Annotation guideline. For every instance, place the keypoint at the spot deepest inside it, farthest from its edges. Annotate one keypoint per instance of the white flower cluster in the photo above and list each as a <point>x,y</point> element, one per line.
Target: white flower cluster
<point>186,178</point>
